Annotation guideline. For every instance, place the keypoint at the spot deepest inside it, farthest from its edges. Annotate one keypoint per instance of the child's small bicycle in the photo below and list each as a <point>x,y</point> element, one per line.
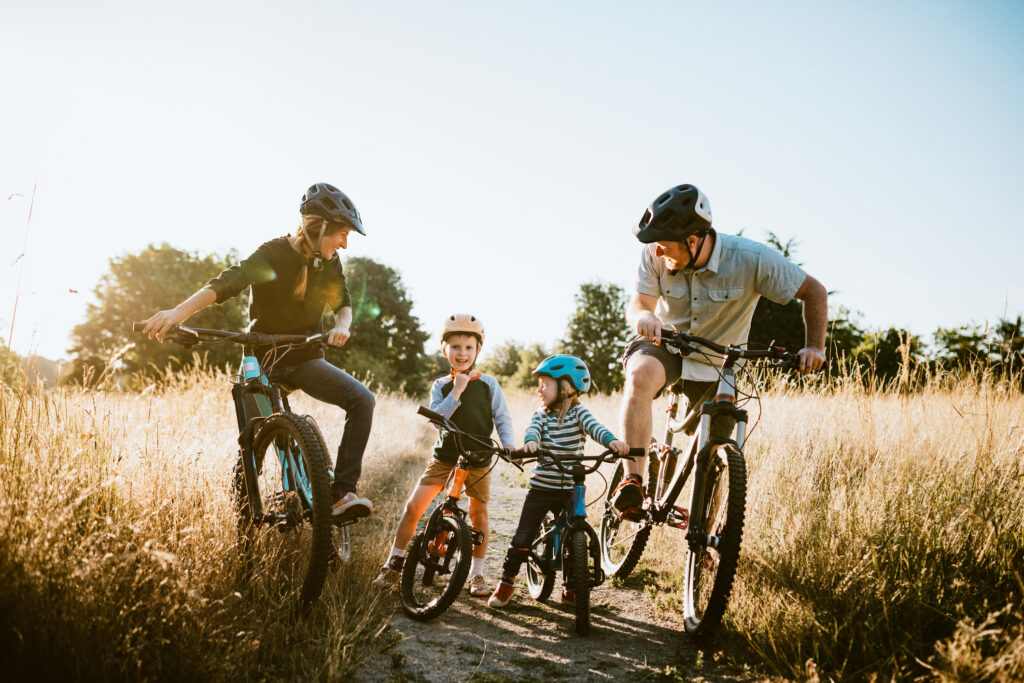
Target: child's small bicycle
<point>568,541</point>
<point>291,490</point>
<point>440,555</point>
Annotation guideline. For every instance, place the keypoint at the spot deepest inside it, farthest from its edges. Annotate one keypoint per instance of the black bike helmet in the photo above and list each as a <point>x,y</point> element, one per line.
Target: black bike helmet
<point>676,213</point>
<point>329,202</point>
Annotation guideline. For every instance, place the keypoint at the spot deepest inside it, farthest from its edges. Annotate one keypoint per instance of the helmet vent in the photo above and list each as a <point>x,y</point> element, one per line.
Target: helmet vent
<point>646,220</point>
<point>663,198</point>
<point>347,203</point>
<point>331,188</point>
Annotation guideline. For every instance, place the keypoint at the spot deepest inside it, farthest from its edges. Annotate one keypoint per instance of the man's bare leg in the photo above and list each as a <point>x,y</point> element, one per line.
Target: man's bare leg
<point>645,376</point>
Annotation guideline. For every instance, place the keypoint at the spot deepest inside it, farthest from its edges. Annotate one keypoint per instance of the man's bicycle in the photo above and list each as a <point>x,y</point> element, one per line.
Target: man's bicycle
<point>283,477</point>
<point>568,542</point>
<point>714,519</point>
<point>440,555</point>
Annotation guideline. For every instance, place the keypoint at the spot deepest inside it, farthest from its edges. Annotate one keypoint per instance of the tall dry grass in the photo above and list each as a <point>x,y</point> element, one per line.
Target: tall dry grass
<point>883,538</point>
<point>118,556</point>
<point>884,534</point>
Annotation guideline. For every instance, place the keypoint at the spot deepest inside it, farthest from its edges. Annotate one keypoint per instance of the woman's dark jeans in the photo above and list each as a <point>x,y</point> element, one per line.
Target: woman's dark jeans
<point>330,384</point>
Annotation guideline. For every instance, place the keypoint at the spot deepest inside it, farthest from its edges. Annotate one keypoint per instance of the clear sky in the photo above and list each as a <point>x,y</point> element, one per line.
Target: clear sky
<point>499,152</point>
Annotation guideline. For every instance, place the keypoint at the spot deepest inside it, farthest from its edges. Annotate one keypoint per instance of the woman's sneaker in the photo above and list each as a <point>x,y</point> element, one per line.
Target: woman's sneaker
<point>351,505</point>
<point>390,573</point>
<point>503,593</point>
<point>477,587</point>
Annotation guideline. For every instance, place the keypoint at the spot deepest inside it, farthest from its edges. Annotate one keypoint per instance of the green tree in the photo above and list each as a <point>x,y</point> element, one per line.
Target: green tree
<point>530,357</point>
<point>502,361</point>
<point>844,336</point>
<point>135,287</point>
<point>1009,344</point>
<point>386,347</point>
<point>961,346</point>
<point>597,333</point>
<point>890,354</point>
<point>12,367</point>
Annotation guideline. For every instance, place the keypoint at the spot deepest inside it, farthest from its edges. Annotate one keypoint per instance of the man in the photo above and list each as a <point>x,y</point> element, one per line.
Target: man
<point>694,280</point>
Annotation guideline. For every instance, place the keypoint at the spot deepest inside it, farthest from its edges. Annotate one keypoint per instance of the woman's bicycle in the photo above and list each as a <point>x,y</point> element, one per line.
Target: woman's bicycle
<point>714,520</point>
<point>283,477</point>
<point>439,556</point>
<point>568,542</point>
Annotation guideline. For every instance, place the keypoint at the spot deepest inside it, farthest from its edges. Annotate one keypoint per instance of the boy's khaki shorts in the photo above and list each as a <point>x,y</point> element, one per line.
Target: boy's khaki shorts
<point>478,481</point>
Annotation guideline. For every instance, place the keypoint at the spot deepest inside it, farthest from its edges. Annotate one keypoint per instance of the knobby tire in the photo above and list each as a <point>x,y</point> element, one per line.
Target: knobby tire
<point>458,537</point>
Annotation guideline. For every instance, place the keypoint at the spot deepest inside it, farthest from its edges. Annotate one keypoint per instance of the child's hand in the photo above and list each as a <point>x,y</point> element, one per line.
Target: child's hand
<point>459,383</point>
<point>620,447</point>
<point>530,447</point>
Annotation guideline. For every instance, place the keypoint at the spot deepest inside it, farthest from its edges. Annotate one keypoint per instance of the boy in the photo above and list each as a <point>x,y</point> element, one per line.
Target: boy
<point>475,403</point>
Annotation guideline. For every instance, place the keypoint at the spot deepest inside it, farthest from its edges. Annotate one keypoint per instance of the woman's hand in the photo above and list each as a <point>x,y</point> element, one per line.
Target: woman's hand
<point>159,324</point>
<point>620,447</point>
<point>338,336</point>
<point>530,447</point>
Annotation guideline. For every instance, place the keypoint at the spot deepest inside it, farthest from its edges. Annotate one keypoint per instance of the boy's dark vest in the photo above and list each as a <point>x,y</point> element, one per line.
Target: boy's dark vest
<point>473,415</point>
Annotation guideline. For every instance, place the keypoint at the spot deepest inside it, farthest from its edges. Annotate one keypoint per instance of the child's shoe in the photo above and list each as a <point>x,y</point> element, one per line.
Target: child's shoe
<point>390,573</point>
<point>502,593</point>
<point>477,587</point>
<point>568,596</point>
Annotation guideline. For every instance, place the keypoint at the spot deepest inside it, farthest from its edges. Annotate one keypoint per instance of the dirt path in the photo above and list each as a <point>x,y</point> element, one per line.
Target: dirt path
<point>533,641</point>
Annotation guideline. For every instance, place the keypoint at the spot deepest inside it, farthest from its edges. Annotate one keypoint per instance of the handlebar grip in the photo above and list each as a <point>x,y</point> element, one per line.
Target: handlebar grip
<point>138,327</point>
<point>636,453</point>
<point>430,414</point>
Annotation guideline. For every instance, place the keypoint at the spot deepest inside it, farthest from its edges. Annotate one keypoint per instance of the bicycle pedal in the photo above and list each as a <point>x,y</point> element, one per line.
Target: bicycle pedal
<point>477,536</point>
<point>679,518</point>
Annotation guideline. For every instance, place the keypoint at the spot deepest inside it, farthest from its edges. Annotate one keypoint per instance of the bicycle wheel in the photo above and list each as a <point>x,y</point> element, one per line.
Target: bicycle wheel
<point>436,567</point>
<point>711,558</point>
<point>538,581</point>
<point>622,541</point>
<point>295,498</point>
<point>579,571</point>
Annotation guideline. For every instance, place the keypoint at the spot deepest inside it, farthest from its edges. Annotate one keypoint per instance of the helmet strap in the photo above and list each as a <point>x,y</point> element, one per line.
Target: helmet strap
<point>315,248</point>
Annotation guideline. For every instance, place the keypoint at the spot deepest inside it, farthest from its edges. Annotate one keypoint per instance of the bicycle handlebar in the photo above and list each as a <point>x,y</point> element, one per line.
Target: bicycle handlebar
<point>490,448</point>
<point>687,342</point>
<point>558,460</point>
<point>191,336</point>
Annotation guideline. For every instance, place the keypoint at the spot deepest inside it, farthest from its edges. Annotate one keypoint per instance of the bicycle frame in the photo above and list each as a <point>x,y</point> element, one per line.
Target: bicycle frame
<point>572,517</point>
<point>255,393</point>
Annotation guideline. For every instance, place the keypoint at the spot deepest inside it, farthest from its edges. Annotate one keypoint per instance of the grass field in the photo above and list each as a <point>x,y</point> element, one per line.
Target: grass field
<point>884,536</point>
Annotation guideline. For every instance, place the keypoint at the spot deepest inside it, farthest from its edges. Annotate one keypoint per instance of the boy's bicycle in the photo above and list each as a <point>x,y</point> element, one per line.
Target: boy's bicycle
<point>714,520</point>
<point>568,541</point>
<point>440,555</point>
<point>283,477</point>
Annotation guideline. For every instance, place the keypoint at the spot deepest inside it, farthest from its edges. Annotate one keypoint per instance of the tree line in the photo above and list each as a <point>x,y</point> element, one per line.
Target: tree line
<point>388,345</point>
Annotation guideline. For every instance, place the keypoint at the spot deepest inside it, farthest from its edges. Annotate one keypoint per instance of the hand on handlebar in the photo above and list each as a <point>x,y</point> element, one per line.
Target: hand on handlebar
<point>530,447</point>
<point>161,323</point>
<point>338,336</point>
<point>809,359</point>
<point>649,325</point>
<point>620,447</point>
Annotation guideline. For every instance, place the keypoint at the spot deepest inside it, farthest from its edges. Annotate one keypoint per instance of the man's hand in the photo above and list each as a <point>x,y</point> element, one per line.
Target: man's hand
<point>620,447</point>
<point>338,336</point>
<point>649,325</point>
<point>530,447</point>
<point>809,359</point>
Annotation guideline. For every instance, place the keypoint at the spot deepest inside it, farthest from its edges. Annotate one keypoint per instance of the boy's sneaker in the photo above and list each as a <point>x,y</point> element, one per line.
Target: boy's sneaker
<point>390,573</point>
<point>502,594</point>
<point>629,494</point>
<point>477,587</point>
<point>351,505</point>
<point>568,596</point>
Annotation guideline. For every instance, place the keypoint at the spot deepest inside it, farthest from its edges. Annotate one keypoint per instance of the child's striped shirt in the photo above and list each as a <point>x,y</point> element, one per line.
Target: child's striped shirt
<point>564,440</point>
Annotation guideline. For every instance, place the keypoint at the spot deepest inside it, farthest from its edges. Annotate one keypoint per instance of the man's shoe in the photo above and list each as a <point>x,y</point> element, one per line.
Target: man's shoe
<point>568,596</point>
<point>351,505</point>
<point>502,595</point>
<point>629,494</point>
<point>477,587</point>
<point>390,573</point>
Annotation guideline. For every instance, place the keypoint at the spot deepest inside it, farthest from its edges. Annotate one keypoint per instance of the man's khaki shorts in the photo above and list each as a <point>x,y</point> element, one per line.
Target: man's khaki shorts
<point>478,481</point>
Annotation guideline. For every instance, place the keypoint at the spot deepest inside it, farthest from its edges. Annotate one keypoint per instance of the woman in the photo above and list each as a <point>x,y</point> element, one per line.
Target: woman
<point>292,279</point>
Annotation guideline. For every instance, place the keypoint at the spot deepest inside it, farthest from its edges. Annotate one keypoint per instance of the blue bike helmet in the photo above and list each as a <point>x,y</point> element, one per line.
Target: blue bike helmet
<point>570,367</point>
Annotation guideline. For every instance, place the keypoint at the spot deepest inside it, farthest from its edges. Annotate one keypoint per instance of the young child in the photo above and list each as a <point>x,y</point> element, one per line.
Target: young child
<point>475,403</point>
<point>559,427</point>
